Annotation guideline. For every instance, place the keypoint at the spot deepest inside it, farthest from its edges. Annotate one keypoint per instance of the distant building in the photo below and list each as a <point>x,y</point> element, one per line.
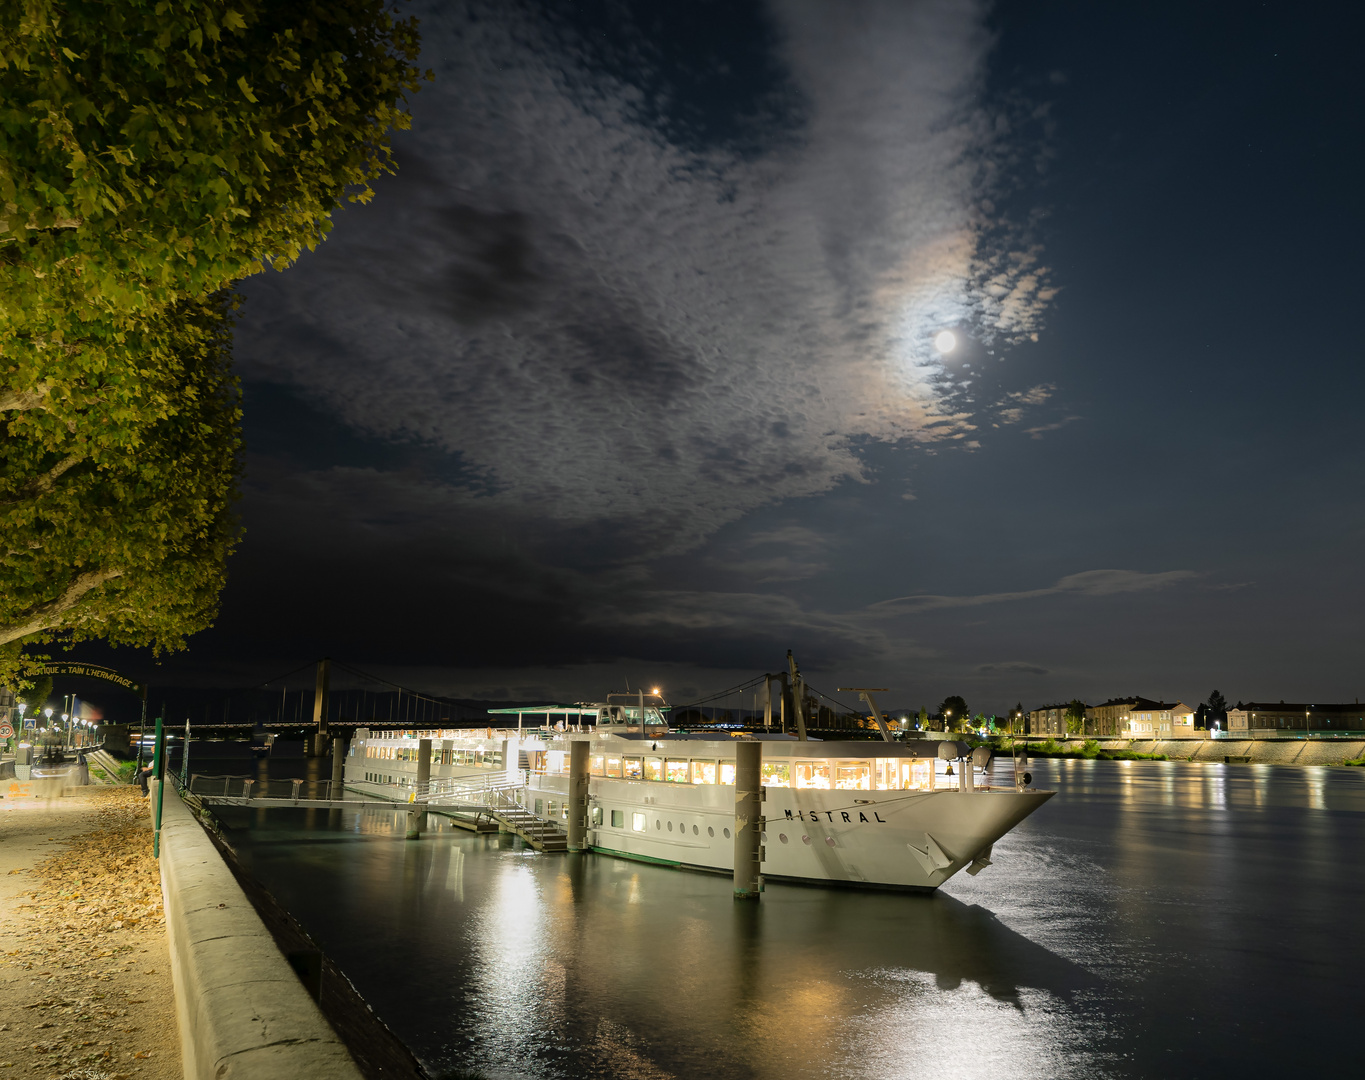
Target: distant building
<point>1138,717</point>
<point>1265,719</point>
<point>1159,720</point>
<point>1047,720</point>
<point>1107,721</point>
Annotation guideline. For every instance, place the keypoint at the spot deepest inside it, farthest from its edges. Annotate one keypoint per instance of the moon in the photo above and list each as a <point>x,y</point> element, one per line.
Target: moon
<point>946,341</point>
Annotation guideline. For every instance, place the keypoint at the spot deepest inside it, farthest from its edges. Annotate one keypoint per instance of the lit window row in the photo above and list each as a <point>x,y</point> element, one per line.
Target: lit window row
<point>878,774</point>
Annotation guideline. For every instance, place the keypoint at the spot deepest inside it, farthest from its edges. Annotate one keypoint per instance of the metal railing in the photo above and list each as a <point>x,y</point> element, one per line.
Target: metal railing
<point>490,790</point>
<point>247,787</point>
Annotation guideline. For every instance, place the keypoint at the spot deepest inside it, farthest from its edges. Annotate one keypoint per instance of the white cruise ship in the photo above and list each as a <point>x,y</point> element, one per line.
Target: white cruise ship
<point>898,815</point>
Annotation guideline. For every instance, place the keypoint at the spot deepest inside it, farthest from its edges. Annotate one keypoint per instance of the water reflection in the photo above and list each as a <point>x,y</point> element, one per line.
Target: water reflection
<point>1133,928</point>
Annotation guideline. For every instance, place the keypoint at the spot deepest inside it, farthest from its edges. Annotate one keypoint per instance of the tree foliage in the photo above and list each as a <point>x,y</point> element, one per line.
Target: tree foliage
<point>130,547</point>
<point>1075,717</point>
<point>953,712</point>
<point>152,153</point>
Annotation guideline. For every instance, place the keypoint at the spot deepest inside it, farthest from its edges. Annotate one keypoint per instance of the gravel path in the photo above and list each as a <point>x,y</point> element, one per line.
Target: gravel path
<point>85,984</point>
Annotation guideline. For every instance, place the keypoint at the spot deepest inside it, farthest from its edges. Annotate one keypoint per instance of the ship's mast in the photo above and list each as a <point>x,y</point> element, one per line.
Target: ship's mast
<point>866,692</point>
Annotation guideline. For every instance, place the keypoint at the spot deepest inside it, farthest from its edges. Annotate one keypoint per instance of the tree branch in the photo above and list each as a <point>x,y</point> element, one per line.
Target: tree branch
<point>21,400</point>
<point>49,616</point>
<point>41,485</point>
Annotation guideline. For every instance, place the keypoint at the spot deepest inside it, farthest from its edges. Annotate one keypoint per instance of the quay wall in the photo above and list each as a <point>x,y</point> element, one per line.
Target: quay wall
<point>1243,751</point>
<point>242,1011</point>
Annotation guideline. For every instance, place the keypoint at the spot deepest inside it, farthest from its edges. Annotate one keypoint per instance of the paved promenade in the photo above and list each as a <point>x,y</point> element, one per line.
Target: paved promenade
<point>85,984</point>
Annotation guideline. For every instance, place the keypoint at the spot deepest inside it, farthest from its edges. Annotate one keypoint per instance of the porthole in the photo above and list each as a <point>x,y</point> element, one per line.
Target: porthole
<point>658,824</point>
<point>670,826</point>
<point>782,836</point>
<point>682,826</point>
<point>695,830</point>
<point>829,840</point>
<point>710,831</point>
<point>805,839</point>
<point>727,833</point>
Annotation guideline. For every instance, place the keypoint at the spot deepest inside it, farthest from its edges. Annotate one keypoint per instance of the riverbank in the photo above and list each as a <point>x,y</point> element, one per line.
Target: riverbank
<point>85,989</point>
<point>1223,751</point>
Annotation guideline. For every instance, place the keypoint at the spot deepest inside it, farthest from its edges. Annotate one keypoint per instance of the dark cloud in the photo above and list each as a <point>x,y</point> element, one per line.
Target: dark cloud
<point>606,324</point>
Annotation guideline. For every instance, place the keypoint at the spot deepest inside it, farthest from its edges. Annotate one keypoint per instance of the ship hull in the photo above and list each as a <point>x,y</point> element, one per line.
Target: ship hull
<point>871,839</point>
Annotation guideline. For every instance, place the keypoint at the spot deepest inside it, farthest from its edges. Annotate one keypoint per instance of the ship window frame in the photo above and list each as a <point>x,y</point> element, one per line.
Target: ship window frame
<point>814,765</point>
<point>637,822</point>
<point>654,770</point>
<point>618,773</point>
<point>699,771</point>
<point>638,763</point>
<point>863,765</point>
<point>767,778</point>
<point>618,819</point>
<point>676,770</point>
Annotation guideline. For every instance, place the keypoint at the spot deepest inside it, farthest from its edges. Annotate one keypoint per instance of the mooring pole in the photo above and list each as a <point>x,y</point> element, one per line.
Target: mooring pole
<point>578,792</point>
<point>159,772</point>
<point>338,767</point>
<point>748,820</point>
<point>798,693</point>
<point>417,820</point>
<point>320,706</point>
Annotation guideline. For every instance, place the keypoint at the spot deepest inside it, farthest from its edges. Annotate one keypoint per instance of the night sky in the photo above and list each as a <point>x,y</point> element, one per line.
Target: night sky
<point>630,374</point>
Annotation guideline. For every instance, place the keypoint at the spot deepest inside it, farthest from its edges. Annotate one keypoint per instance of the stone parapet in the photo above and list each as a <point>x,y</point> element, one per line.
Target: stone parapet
<point>241,1009</point>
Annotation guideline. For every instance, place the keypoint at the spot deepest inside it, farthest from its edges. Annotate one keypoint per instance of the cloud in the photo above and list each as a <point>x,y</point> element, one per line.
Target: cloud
<point>1013,406</point>
<point>1037,432</point>
<point>1086,583</point>
<point>1012,667</point>
<point>600,324</point>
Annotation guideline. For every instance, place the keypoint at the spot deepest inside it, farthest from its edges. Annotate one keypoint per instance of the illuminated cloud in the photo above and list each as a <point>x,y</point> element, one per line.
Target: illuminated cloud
<point>1012,667</point>
<point>598,323</point>
<point>1087,583</point>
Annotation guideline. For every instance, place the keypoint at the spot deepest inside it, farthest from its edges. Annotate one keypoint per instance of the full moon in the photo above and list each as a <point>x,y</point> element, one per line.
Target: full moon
<point>946,341</point>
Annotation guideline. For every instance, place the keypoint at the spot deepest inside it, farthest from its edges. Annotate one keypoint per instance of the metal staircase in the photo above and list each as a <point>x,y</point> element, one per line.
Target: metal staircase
<point>498,795</point>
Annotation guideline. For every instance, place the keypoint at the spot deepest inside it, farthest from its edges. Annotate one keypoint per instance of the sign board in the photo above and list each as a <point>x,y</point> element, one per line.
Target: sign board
<point>96,671</point>
<point>6,732</point>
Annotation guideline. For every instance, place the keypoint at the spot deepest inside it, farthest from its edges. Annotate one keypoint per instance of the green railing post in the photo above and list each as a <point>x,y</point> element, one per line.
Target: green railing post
<point>159,771</point>
<point>185,757</point>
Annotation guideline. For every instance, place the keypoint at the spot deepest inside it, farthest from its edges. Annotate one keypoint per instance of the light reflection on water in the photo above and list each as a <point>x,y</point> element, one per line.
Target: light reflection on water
<point>1152,919</point>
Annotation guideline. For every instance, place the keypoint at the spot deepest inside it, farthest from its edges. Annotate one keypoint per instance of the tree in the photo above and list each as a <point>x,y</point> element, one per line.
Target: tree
<point>923,719</point>
<point>35,697</point>
<point>1075,717</point>
<point>152,153</point>
<point>1218,703</point>
<point>129,547</point>
<point>953,712</point>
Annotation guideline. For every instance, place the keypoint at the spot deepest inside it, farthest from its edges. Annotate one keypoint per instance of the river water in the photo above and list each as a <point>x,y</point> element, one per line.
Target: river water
<point>1154,919</point>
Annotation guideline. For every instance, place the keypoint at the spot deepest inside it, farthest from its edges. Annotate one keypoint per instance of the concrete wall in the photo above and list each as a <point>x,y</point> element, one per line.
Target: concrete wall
<point>1255,751</point>
<point>242,1011</point>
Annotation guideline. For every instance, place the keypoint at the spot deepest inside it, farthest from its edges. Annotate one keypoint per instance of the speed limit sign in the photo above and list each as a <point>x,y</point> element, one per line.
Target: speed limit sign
<point>6,732</point>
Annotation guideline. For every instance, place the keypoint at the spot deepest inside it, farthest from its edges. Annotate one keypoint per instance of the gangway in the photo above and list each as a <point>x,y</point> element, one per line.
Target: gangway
<point>493,796</point>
